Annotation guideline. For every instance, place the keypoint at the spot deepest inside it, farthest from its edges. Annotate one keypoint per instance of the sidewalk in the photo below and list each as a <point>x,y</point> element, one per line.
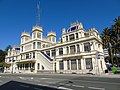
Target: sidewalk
<point>107,75</point>
<point>110,75</point>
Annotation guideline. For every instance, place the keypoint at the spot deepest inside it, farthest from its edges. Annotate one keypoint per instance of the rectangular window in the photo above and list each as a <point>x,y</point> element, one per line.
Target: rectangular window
<point>22,49</point>
<point>73,64</point>
<point>39,35</point>
<point>33,54</point>
<point>30,56</point>
<point>72,49</point>
<point>76,35</point>
<point>66,38</point>
<point>67,50</point>
<point>38,66</point>
<point>26,66</point>
<point>53,53</point>
<point>30,65</point>
<point>38,45</point>
<point>71,37</point>
<point>27,56</point>
<point>89,63</point>
<point>20,66</point>
<point>78,48</point>
<point>53,39</point>
<point>33,65</point>
<point>33,45</point>
<point>60,51</point>
<point>87,47</point>
<point>61,65</point>
<point>99,45</point>
<point>21,57</point>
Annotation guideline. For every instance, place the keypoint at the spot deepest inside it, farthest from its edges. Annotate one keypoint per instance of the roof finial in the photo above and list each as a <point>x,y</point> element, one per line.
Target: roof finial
<point>38,7</point>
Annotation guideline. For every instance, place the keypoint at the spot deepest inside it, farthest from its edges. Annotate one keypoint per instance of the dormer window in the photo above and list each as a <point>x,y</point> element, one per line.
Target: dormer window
<point>72,28</point>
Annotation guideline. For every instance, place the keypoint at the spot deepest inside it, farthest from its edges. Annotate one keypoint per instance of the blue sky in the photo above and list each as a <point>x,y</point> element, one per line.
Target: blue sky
<point>17,16</point>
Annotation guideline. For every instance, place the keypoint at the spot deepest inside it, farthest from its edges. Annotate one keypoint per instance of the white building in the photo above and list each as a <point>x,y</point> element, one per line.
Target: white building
<point>78,51</point>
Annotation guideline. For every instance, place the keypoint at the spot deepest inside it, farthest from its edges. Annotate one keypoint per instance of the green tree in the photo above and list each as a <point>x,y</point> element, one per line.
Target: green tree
<point>8,47</point>
<point>107,42</point>
<point>2,55</point>
<point>111,40</point>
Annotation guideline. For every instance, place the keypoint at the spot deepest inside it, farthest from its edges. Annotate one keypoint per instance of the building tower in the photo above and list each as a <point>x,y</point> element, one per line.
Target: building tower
<point>51,37</point>
<point>37,30</point>
<point>25,36</point>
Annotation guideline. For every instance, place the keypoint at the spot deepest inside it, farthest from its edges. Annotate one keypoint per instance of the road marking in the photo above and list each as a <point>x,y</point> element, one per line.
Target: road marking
<point>38,89</point>
<point>63,84</point>
<point>22,78</point>
<point>96,82</point>
<point>31,77</point>
<point>24,86</point>
<point>96,88</point>
<point>46,78</point>
<point>64,88</point>
<point>51,82</point>
<point>78,86</point>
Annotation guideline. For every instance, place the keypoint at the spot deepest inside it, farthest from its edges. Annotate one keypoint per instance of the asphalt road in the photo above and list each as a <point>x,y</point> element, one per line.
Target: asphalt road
<point>57,81</point>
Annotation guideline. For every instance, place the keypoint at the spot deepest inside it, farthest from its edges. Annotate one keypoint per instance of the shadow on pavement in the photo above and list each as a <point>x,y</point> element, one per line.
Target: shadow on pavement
<point>15,85</point>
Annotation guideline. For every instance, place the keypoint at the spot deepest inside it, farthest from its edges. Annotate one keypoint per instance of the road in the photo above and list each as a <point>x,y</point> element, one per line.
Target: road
<point>57,82</point>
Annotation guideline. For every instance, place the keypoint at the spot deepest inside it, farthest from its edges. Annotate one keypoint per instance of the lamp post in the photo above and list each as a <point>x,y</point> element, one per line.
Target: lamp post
<point>54,65</point>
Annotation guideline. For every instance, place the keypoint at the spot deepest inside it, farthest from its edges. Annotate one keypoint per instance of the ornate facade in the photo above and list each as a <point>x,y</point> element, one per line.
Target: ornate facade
<point>77,51</point>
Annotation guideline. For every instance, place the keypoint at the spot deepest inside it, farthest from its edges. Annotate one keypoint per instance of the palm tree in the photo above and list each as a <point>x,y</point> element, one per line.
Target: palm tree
<point>107,42</point>
<point>111,39</point>
<point>116,36</point>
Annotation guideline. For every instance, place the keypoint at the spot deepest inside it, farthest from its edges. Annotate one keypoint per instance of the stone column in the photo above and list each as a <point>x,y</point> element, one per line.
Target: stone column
<point>77,64</point>
<point>50,53</point>
<point>75,36</point>
<point>83,66</point>
<point>28,66</point>
<point>70,64</point>
<point>75,48</point>
<point>35,66</point>
<point>81,47</point>
<point>65,65</point>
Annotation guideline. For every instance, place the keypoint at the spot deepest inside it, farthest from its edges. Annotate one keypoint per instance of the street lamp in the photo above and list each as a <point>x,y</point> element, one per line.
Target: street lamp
<point>54,62</point>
